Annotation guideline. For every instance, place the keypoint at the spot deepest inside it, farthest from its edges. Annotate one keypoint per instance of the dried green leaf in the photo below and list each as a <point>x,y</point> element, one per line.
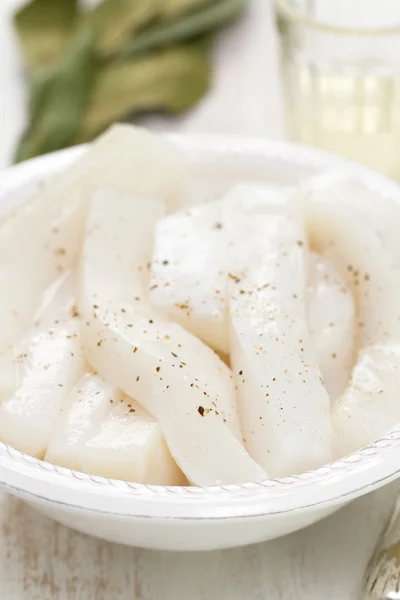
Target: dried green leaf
<point>170,81</point>
<point>80,95</point>
<point>205,19</point>
<point>116,20</point>
<point>172,8</point>
<point>59,99</point>
<point>44,28</point>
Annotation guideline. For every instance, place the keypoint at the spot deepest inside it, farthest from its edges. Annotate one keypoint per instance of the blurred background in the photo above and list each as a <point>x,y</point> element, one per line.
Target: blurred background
<point>216,72</point>
<point>320,72</point>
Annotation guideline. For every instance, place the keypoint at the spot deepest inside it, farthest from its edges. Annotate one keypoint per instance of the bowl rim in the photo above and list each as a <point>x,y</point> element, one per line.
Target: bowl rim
<point>332,484</point>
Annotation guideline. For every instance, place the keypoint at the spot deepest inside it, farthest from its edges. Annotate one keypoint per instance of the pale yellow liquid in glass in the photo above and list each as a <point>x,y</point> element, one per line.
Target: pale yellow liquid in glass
<point>356,115</point>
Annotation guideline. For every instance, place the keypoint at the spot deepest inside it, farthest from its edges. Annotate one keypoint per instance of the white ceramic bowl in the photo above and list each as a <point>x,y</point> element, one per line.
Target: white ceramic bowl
<point>215,517</point>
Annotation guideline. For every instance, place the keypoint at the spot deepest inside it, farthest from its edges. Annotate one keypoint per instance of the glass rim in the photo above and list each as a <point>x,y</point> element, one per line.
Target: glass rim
<point>285,10</point>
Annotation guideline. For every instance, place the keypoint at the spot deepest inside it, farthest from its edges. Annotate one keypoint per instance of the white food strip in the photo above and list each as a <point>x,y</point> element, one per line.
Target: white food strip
<point>332,323</point>
<point>39,242</point>
<point>173,375</point>
<point>130,445</point>
<point>368,407</point>
<point>120,279</point>
<point>344,190</point>
<point>58,301</point>
<point>49,362</point>
<point>188,280</point>
<point>79,419</point>
<point>191,259</point>
<point>284,405</point>
<point>119,242</point>
<point>57,306</point>
<point>43,237</point>
<point>102,432</point>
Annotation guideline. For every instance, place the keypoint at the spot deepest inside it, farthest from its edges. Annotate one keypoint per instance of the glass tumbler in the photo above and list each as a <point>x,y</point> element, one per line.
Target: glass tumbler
<point>341,71</point>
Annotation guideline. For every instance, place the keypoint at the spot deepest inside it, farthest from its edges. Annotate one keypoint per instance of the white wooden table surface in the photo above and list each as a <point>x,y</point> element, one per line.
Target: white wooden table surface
<point>41,560</point>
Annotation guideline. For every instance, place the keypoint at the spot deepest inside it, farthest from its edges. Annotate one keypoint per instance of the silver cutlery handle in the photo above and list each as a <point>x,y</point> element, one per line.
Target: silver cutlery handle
<point>382,578</point>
